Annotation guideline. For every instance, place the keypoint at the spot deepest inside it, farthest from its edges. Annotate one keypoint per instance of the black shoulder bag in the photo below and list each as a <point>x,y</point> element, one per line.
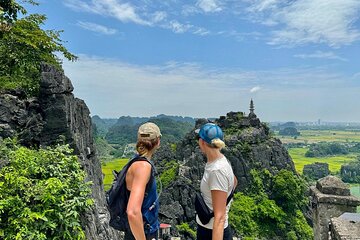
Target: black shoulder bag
<point>203,211</point>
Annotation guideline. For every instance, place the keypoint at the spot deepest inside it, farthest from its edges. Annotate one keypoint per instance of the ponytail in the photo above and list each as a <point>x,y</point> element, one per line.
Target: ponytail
<point>146,147</point>
<point>217,143</point>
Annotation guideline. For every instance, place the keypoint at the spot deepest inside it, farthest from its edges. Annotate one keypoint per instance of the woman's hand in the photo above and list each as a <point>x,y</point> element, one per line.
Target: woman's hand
<point>219,207</point>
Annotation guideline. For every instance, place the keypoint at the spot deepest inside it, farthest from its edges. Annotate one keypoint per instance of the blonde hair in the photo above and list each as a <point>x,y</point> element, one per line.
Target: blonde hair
<point>146,147</point>
<point>217,143</point>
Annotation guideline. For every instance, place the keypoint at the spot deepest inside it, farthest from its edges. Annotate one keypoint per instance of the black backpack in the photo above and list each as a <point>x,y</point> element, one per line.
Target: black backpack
<point>118,196</point>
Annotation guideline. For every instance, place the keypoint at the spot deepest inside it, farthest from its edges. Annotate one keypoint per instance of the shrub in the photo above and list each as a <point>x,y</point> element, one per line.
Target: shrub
<point>185,228</point>
<point>270,207</point>
<point>168,175</point>
<point>42,193</point>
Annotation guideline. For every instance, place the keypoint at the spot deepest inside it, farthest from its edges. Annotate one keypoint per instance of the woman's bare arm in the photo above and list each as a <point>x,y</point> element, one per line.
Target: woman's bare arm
<point>141,172</point>
<point>219,207</point>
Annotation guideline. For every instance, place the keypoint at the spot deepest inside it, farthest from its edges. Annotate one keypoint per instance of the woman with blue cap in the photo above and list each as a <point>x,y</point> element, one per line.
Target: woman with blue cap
<point>216,185</point>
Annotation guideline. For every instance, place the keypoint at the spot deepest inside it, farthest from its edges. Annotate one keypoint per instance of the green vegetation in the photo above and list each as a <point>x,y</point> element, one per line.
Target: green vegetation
<point>350,172</point>
<point>289,131</point>
<point>24,46</point>
<point>335,162</point>
<point>107,169</point>
<point>315,136</point>
<point>185,229</point>
<point>355,190</point>
<point>172,131</point>
<point>169,173</point>
<point>42,193</point>
<point>271,207</point>
<point>324,149</point>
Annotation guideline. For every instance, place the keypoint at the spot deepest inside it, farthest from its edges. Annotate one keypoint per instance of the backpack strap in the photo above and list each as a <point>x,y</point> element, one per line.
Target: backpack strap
<point>152,177</point>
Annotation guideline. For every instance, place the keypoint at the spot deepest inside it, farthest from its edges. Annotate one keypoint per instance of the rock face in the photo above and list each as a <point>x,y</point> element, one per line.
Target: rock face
<point>330,199</point>
<point>249,146</point>
<point>316,170</point>
<point>58,116</point>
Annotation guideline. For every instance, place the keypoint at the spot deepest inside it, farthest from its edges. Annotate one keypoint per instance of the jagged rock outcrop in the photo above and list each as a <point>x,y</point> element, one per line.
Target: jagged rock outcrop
<point>316,170</point>
<point>249,146</point>
<point>56,115</point>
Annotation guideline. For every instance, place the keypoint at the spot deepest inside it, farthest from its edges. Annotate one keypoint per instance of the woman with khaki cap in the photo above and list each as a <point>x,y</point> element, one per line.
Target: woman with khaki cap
<point>143,204</point>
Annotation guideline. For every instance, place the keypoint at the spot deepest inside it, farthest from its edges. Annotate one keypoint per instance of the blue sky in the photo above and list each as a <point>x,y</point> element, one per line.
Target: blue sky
<point>298,59</point>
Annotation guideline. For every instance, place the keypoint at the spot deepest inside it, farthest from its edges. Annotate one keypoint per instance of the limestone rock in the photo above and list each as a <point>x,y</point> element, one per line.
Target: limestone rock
<point>58,116</point>
<point>316,170</point>
<point>332,185</point>
<point>250,146</point>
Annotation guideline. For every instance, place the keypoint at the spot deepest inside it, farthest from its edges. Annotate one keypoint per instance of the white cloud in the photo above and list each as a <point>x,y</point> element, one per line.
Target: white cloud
<point>124,12</point>
<point>321,55</point>
<point>209,5</point>
<point>96,28</point>
<point>177,27</point>
<point>112,88</point>
<point>159,16</point>
<point>255,89</point>
<point>300,22</point>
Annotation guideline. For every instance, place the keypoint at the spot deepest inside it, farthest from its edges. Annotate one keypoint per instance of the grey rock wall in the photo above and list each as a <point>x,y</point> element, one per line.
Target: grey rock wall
<point>249,146</point>
<point>58,116</point>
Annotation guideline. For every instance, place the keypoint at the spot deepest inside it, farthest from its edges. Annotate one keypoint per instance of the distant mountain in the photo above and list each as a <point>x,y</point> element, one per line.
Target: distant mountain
<point>125,130</point>
<point>102,125</point>
<point>130,121</point>
<point>112,135</point>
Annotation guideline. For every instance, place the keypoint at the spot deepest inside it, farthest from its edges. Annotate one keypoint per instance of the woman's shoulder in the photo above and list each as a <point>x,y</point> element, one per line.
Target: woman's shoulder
<point>221,164</point>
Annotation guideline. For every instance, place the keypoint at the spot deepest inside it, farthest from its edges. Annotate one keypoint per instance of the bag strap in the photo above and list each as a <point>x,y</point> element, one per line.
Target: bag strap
<point>230,196</point>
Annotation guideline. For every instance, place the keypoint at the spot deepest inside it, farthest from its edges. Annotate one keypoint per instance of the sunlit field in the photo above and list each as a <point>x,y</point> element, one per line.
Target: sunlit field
<point>335,162</point>
<point>314,136</point>
<point>108,167</point>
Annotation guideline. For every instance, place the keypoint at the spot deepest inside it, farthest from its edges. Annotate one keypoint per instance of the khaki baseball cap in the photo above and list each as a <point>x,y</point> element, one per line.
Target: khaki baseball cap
<point>149,131</point>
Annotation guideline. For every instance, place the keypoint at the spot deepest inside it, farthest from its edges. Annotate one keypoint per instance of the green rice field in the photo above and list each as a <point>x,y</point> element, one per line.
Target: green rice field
<point>314,136</point>
<point>107,167</point>
<point>335,162</point>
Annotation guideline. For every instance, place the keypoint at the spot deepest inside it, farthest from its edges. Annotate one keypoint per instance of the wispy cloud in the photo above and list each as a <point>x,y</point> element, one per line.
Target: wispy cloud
<point>255,89</point>
<point>321,55</point>
<point>301,22</point>
<point>177,27</point>
<point>145,14</point>
<point>209,5</point>
<point>125,12</point>
<point>94,27</point>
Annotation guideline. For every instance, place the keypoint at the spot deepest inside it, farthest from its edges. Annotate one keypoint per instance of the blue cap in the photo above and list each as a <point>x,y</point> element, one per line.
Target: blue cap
<point>209,132</point>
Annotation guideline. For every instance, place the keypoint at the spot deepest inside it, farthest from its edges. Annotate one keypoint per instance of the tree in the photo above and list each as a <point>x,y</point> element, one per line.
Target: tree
<point>24,46</point>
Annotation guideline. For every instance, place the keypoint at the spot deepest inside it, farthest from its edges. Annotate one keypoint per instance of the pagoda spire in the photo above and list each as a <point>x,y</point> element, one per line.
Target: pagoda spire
<point>252,106</point>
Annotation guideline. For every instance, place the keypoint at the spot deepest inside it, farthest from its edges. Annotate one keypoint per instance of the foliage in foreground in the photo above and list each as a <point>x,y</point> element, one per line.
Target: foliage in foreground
<point>271,208</point>
<point>42,193</point>
<point>24,46</point>
<point>186,230</point>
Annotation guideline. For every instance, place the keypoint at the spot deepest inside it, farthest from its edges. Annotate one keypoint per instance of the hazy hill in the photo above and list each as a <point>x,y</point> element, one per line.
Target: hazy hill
<point>125,130</point>
<point>112,135</point>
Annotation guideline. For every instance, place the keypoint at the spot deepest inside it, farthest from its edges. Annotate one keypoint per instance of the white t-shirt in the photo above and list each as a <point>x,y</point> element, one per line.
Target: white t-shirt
<point>218,175</point>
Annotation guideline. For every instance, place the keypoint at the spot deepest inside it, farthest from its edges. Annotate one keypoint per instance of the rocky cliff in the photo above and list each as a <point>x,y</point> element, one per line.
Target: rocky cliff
<point>249,146</point>
<point>56,115</point>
